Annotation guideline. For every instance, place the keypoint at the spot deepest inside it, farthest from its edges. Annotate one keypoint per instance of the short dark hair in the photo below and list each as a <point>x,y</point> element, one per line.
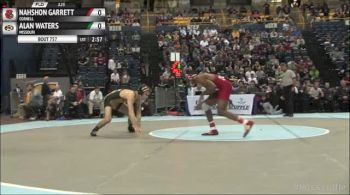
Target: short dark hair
<point>143,88</point>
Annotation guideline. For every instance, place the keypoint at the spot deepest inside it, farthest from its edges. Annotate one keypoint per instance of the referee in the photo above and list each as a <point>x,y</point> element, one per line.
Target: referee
<point>288,81</point>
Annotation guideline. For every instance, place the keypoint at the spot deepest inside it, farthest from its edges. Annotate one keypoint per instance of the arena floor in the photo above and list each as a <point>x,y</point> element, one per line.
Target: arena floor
<point>306,154</point>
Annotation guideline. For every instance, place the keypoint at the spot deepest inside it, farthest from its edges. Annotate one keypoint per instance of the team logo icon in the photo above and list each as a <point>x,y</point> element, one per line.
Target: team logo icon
<point>9,28</point>
<point>9,14</point>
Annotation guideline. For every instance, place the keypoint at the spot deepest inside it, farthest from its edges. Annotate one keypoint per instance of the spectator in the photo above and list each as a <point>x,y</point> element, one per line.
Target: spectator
<point>204,43</point>
<point>316,94</point>
<point>118,65</point>
<point>71,105</point>
<point>260,75</point>
<point>342,96</point>
<point>115,79</point>
<point>252,88</point>
<point>295,3</point>
<point>19,92</point>
<point>242,9</point>
<point>278,71</point>
<point>111,64</point>
<point>96,100</point>
<point>266,8</point>
<point>314,73</point>
<point>344,10</point>
<point>325,9</point>
<point>54,103</point>
<point>83,60</point>
<point>80,94</point>
<point>135,23</point>
<point>267,106</point>
<point>241,89</point>
<point>337,55</point>
<point>328,98</point>
<point>128,49</point>
<point>27,98</point>
<point>125,79</point>
<point>33,109</point>
<point>136,36</point>
<point>253,78</point>
<point>249,73</point>
<point>60,98</point>
<point>100,60</point>
<point>286,10</point>
<point>300,43</point>
<point>165,78</point>
<point>346,78</point>
<point>45,91</point>
<point>135,48</point>
<point>275,95</point>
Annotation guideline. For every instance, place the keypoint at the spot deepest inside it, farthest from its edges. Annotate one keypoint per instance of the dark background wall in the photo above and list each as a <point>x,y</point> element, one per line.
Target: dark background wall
<point>15,58</point>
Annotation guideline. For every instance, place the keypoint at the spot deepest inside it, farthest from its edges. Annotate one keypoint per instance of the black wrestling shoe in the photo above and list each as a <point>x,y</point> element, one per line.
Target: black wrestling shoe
<point>213,132</point>
<point>131,129</point>
<point>93,133</point>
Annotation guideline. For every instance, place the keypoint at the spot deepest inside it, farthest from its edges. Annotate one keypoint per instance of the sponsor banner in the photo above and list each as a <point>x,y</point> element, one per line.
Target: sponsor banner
<point>239,104</point>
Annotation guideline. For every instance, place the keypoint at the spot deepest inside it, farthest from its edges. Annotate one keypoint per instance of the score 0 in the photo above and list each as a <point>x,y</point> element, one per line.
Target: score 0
<point>97,26</point>
<point>101,12</point>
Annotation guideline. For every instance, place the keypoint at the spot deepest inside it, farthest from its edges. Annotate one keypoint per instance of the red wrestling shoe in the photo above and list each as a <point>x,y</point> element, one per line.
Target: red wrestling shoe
<point>247,127</point>
<point>211,133</point>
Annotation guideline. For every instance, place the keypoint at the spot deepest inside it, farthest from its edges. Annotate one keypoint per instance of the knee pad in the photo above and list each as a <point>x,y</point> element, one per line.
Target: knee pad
<point>205,107</point>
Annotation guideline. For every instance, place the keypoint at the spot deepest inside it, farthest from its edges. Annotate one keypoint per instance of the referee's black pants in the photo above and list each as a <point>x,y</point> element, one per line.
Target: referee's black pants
<point>289,103</point>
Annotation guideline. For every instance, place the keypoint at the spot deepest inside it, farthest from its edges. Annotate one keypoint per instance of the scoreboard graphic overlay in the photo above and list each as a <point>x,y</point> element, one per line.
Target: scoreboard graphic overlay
<point>48,22</point>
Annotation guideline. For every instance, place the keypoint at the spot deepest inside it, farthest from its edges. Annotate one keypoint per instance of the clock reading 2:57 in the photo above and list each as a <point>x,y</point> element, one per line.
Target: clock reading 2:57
<point>97,39</point>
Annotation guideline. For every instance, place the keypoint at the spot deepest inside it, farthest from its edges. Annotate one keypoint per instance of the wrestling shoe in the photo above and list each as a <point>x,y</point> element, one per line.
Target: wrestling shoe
<point>93,133</point>
<point>211,132</point>
<point>247,127</point>
<point>131,129</point>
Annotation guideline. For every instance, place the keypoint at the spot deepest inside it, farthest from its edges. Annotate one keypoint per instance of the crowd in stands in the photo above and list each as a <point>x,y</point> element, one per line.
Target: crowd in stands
<point>124,17</point>
<point>195,15</point>
<point>334,38</point>
<point>251,59</point>
<point>323,12</point>
<point>243,15</point>
<point>91,64</point>
<point>124,59</point>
